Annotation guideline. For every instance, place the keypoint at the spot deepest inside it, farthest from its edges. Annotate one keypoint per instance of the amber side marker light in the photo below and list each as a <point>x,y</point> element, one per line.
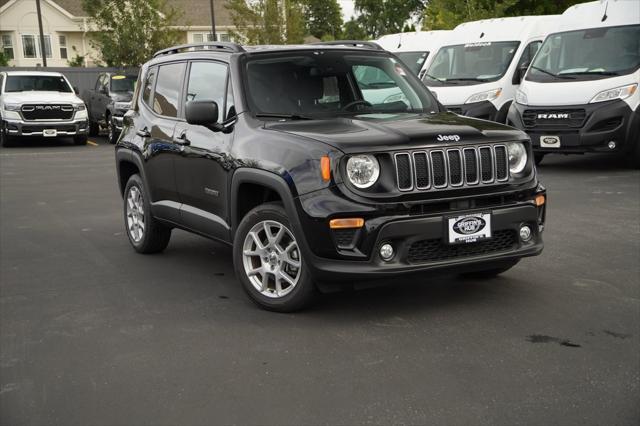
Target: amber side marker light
<point>540,200</point>
<point>325,168</point>
<point>355,222</point>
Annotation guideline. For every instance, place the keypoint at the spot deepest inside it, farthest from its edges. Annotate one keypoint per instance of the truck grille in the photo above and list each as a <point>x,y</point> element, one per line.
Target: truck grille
<point>446,168</point>
<point>568,118</point>
<point>47,112</point>
<point>436,249</point>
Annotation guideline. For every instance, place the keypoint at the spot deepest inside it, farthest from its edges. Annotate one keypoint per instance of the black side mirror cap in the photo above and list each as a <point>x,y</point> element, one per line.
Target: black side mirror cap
<point>202,113</point>
<point>75,89</point>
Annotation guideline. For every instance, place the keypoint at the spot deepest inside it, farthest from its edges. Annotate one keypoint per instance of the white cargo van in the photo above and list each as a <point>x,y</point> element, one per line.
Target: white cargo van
<point>479,69</point>
<point>415,49</point>
<point>581,92</point>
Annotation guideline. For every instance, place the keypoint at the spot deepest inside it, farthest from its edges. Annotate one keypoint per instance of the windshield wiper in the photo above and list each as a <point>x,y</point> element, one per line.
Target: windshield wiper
<point>433,77</point>
<point>564,76</point>
<point>286,116</point>
<point>591,72</point>
<point>467,79</point>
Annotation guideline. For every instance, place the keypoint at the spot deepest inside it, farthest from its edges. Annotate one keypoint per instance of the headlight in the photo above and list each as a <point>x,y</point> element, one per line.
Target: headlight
<point>618,93</point>
<point>12,107</point>
<point>363,170</point>
<point>521,98</point>
<point>517,157</point>
<point>79,107</point>
<point>489,95</point>
<point>122,105</point>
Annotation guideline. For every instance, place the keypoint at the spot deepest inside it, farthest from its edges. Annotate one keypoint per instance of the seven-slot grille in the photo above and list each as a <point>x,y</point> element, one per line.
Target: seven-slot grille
<point>448,168</point>
<point>47,112</point>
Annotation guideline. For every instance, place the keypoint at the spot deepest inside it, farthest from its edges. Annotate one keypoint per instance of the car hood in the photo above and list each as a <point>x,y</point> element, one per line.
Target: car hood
<point>381,132</point>
<point>37,97</point>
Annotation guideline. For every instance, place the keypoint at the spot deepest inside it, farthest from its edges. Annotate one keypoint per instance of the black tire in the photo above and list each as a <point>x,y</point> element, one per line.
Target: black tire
<point>80,140</point>
<point>94,128</point>
<point>155,236</point>
<point>5,140</point>
<point>492,272</point>
<point>113,134</point>
<point>537,157</point>
<point>302,293</point>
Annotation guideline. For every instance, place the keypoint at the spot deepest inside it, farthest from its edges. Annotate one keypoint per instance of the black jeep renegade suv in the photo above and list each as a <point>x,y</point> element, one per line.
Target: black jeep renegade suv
<point>321,165</point>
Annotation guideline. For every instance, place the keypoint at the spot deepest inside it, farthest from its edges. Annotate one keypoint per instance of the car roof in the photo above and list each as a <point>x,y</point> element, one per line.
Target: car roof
<point>41,73</point>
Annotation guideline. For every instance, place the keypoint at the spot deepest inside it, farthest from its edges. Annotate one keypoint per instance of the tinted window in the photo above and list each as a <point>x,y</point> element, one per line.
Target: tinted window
<point>38,83</point>
<point>207,82</point>
<point>148,86</point>
<point>123,83</point>
<point>166,99</point>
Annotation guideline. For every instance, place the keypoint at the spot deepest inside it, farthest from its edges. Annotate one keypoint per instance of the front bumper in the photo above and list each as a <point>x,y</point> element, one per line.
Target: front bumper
<point>484,110</point>
<point>589,128</point>
<point>419,240</point>
<point>37,128</point>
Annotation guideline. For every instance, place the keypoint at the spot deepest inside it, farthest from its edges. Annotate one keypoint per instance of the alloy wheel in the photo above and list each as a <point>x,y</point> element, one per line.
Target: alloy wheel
<point>135,214</point>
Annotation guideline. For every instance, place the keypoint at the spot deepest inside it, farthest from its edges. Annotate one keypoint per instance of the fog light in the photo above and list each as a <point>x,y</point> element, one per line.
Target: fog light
<point>386,252</point>
<point>612,145</point>
<point>525,233</point>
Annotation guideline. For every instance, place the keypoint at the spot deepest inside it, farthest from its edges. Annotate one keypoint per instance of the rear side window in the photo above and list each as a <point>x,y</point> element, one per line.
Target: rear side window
<point>166,99</point>
<point>148,86</point>
<point>207,82</point>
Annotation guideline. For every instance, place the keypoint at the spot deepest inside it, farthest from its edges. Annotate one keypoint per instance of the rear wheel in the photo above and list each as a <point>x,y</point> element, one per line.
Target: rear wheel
<point>146,234</point>
<point>94,128</point>
<point>537,157</point>
<point>269,263</point>
<point>492,271</point>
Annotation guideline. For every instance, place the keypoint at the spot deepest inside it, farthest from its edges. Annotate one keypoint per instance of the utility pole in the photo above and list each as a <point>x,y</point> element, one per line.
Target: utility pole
<point>42,48</point>
<point>213,21</point>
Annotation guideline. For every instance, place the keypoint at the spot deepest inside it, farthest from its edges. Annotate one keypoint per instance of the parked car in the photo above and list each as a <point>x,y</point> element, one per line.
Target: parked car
<point>415,49</point>
<point>275,152</point>
<point>477,73</point>
<point>581,94</point>
<point>34,103</point>
<point>108,101</point>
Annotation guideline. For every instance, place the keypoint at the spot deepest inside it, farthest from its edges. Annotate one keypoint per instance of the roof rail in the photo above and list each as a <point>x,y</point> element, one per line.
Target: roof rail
<point>212,45</point>
<point>353,43</point>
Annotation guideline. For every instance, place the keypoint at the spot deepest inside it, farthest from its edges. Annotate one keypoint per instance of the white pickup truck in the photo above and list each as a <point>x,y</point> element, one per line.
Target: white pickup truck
<point>40,104</point>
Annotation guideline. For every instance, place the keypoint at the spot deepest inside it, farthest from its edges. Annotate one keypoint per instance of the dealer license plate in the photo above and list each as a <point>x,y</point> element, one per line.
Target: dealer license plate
<point>549,141</point>
<point>49,133</point>
<point>469,228</point>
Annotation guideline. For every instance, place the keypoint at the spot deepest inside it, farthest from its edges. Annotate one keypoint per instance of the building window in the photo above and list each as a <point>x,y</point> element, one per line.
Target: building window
<point>224,37</point>
<point>31,46</point>
<point>7,45</point>
<point>62,41</point>
<point>202,37</point>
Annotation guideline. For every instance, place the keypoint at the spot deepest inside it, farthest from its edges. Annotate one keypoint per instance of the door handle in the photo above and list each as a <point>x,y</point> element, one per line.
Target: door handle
<point>182,139</point>
<point>143,133</point>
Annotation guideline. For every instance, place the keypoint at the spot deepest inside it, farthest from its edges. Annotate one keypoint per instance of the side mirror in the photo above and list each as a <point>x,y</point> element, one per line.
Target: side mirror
<point>202,113</point>
<point>520,72</point>
<point>75,89</point>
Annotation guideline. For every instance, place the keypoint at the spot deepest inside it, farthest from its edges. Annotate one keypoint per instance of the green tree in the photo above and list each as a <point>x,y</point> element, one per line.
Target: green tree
<point>446,14</point>
<point>77,60</point>
<point>323,18</point>
<point>267,21</point>
<point>4,59</point>
<point>380,17</point>
<point>128,32</point>
<point>353,30</point>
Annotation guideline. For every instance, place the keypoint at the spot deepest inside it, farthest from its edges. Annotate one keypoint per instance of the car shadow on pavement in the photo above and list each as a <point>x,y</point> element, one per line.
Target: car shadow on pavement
<point>583,163</point>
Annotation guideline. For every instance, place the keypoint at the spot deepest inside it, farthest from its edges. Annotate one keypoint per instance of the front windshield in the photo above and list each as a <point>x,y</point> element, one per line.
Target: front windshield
<point>471,63</point>
<point>587,54</point>
<point>37,83</point>
<point>328,83</point>
<point>123,83</point>
<point>413,60</point>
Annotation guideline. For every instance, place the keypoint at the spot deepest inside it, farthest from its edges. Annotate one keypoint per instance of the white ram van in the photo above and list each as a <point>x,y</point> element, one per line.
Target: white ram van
<point>478,71</point>
<point>581,92</point>
<point>415,49</point>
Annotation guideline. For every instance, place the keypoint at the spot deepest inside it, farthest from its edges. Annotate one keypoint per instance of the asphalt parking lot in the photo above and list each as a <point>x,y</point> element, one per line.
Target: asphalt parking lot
<point>91,333</point>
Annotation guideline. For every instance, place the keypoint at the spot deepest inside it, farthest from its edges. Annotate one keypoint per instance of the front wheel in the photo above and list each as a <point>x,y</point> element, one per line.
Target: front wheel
<point>269,263</point>
<point>80,140</point>
<point>537,157</point>
<point>94,128</point>
<point>5,139</point>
